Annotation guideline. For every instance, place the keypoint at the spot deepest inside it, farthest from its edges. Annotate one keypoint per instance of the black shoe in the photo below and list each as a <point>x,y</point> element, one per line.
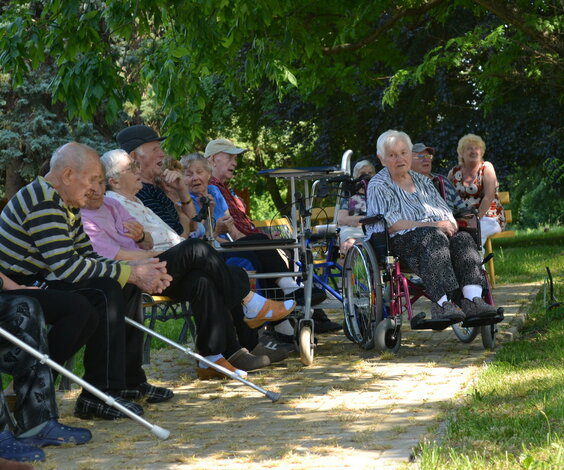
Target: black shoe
<point>448,311</point>
<point>92,407</point>
<point>155,394</point>
<point>477,307</point>
<point>273,350</point>
<point>273,340</point>
<point>323,324</point>
<point>152,393</point>
<point>317,296</point>
<point>244,360</point>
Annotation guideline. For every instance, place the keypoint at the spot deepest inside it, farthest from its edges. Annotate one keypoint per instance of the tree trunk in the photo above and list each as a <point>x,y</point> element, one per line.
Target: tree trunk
<point>13,179</point>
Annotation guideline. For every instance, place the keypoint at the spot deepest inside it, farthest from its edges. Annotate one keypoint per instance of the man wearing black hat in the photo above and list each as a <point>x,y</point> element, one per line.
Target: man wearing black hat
<point>143,144</point>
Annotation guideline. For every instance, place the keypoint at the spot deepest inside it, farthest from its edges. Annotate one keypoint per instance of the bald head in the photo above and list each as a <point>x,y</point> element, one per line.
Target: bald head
<point>75,172</point>
<point>73,155</point>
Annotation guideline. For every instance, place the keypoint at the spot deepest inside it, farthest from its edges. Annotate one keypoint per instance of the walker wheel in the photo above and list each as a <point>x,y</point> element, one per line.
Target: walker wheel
<point>306,345</point>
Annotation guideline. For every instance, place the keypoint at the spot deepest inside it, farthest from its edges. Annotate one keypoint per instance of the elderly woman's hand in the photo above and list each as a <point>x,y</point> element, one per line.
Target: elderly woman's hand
<point>223,224</point>
<point>447,227</point>
<point>133,229</point>
<point>172,179</point>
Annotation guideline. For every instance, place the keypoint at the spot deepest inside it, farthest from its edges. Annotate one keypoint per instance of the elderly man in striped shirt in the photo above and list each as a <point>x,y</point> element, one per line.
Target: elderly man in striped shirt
<point>42,239</point>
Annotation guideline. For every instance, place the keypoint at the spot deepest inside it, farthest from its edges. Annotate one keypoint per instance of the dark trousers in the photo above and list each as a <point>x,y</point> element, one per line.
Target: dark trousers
<point>33,383</point>
<point>114,352</point>
<point>214,290</point>
<point>264,261</point>
<point>72,319</point>
<point>444,264</point>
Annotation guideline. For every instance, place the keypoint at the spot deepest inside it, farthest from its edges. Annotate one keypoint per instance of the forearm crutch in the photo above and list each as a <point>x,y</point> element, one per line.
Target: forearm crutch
<point>161,433</point>
<point>273,396</point>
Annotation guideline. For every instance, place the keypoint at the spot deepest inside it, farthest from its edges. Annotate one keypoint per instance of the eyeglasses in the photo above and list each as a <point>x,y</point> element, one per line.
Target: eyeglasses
<point>421,156</point>
<point>133,167</point>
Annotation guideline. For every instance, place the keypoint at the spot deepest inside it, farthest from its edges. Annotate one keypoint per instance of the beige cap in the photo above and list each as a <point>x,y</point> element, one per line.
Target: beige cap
<point>222,145</point>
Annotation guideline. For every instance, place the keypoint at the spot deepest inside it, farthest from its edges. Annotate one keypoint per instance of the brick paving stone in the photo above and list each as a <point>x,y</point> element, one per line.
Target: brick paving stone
<point>352,409</point>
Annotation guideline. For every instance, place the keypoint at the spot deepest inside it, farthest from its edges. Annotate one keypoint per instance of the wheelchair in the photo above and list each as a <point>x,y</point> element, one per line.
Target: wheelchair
<point>377,292</point>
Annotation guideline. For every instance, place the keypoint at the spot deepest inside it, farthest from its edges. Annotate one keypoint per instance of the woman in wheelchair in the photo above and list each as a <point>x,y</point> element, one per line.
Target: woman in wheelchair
<point>424,233</point>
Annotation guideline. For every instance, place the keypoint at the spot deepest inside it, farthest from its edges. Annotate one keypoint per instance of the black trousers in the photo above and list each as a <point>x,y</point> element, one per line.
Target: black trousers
<point>72,319</point>
<point>33,383</point>
<point>114,351</point>
<point>264,261</point>
<point>215,292</point>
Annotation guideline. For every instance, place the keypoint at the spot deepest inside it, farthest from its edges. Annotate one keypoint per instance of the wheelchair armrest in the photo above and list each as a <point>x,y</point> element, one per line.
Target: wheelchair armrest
<point>465,212</point>
<point>372,219</point>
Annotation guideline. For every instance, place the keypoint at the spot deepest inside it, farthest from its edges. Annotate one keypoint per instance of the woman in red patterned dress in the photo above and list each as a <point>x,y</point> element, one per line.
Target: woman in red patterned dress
<point>476,183</point>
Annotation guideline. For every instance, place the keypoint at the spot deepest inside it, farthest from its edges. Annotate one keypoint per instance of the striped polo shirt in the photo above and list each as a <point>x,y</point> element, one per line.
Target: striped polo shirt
<point>40,235</point>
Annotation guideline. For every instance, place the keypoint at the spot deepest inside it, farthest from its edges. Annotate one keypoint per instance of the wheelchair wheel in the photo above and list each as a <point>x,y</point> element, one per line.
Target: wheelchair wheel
<point>362,294</point>
<point>388,336</point>
<point>465,334</point>
<point>489,333</point>
<point>306,345</point>
<point>347,333</point>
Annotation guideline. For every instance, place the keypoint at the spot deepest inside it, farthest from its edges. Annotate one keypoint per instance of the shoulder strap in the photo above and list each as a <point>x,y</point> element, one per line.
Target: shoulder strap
<point>441,186</point>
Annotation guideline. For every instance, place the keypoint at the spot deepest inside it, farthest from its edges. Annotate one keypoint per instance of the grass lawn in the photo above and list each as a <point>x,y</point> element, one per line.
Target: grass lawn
<point>513,418</point>
<point>524,257</point>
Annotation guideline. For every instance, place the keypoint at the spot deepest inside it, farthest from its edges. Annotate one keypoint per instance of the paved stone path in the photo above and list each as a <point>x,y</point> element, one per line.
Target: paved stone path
<point>351,409</point>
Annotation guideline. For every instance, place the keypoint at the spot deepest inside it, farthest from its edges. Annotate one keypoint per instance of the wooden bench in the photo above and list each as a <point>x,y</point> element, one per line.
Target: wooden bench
<point>322,215</point>
<point>504,199</point>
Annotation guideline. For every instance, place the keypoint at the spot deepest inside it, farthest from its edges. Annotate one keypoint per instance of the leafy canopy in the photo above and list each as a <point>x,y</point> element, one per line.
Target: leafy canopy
<point>113,52</point>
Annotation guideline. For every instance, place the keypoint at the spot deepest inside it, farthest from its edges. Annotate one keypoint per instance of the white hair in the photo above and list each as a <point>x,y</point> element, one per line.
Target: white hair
<point>111,160</point>
<point>360,165</point>
<point>388,138</point>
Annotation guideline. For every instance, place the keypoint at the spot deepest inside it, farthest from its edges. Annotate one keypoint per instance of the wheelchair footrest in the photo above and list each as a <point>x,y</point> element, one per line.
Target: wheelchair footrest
<point>481,321</point>
<point>418,322</point>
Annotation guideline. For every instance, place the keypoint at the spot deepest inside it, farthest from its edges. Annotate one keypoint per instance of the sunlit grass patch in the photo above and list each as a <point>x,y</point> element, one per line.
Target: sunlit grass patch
<point>513,415</point>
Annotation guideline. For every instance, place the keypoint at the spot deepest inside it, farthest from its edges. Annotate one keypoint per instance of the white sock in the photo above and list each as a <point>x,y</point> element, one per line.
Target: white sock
<point>287,284</point>
<point>284,328</point>
<point>213,358</point>
<point>442,300</point>
<point>472,290</point>
<point>252,308</point>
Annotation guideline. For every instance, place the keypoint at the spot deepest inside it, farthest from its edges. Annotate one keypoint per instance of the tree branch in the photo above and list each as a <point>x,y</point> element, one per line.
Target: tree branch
<point>384,27</point>
<point>510,13</point>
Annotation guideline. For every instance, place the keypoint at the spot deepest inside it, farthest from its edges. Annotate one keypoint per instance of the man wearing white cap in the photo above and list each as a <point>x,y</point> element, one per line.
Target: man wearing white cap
<point>222,156</point>
<point>422,162</point>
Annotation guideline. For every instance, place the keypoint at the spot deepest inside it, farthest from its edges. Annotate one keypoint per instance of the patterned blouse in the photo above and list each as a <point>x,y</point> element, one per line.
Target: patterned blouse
<point>474,193</point>
<point>385,197</point>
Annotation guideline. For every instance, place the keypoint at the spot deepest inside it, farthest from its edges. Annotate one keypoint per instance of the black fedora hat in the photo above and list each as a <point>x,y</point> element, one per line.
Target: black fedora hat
<point>132,137</point>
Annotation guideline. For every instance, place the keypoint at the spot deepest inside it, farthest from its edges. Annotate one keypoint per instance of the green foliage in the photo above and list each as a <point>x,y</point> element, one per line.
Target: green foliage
<point>300,81</point>
<point>514,416</point>
<point>538,197</point>
<point>31,128</point>
<point>112,52</point>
